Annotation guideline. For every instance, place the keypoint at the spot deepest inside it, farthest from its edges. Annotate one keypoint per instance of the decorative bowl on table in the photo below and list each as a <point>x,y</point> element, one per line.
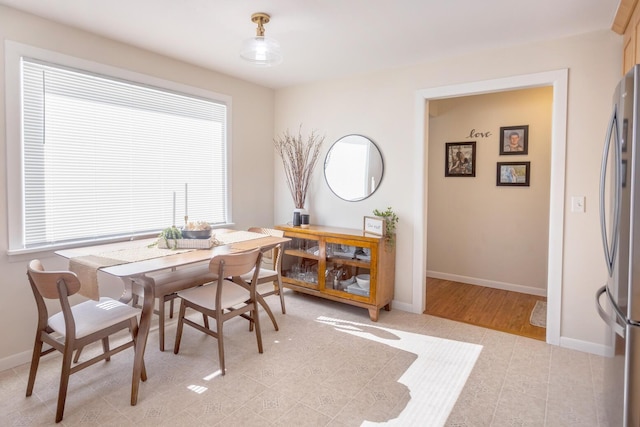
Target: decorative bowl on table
<point>196,234</point>
<point>363,280</point>
<point>196,230</point>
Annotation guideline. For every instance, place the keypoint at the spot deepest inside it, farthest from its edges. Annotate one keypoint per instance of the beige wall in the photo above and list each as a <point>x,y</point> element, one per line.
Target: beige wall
<point>383,105</point>
<point>252,188</point>
<point>380,105</point>
<point>478,232</point>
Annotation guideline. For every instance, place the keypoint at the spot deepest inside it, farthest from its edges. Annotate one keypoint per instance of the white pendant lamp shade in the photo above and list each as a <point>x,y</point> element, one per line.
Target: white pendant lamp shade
<point>260,50</point>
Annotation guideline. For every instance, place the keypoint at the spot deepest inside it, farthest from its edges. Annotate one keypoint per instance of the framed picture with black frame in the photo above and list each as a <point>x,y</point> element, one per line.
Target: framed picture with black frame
<point>513,174</point>
<point>460,159</point>
<point>514,140</point>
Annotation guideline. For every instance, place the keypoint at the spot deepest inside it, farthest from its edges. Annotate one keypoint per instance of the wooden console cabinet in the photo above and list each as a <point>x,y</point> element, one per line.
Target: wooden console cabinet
<point>324,261</point>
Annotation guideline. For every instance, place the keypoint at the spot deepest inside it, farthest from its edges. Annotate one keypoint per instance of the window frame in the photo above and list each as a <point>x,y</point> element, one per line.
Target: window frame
<point>14,146</point>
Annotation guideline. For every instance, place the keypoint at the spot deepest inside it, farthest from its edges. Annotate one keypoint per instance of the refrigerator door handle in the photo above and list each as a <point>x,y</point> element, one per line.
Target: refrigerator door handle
<point>610,247</point>
<point>617,328</point>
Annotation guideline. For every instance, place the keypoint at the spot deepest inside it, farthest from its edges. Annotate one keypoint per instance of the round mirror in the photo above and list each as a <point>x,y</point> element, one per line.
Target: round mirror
<point>353,167</point>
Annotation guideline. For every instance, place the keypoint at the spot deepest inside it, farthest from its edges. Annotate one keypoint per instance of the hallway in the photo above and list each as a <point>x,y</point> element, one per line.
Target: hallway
<point>488,307</point>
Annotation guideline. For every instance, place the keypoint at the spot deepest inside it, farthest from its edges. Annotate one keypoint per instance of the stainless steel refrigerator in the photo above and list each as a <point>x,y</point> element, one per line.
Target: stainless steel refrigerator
<point>618,302</point>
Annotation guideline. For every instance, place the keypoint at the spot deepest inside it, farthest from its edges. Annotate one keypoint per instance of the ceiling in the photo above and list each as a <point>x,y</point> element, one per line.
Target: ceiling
<point>324,39</point>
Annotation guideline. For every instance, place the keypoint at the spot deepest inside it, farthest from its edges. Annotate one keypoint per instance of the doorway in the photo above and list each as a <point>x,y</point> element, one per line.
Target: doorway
<point>559,81</point>
<point>481,230</point>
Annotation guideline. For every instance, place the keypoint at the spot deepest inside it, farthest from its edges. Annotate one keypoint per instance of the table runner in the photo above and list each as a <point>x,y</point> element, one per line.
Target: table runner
<point>86,267</point>
<point>237,236</point>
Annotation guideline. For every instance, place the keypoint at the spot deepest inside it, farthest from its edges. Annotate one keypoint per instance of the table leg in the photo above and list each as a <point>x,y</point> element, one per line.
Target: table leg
<point>141,338</point>
<point>260,300</point>
<point>127,293</point>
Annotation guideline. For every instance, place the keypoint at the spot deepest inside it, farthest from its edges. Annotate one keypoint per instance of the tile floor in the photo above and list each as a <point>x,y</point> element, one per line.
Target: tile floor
<point>313,379</point>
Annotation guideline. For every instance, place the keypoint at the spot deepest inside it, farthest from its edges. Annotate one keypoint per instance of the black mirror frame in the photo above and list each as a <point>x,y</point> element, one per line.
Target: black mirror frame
<point>381,162</point>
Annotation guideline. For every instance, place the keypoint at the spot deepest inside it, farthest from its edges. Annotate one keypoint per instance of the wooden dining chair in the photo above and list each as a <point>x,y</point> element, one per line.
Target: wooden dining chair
<point>223,299</point>
<point>166,285</point>
<point>75,327</point>
<point>269,279</point>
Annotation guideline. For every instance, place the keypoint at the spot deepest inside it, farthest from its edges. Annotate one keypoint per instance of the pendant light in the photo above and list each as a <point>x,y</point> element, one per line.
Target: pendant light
<point>260,50</point>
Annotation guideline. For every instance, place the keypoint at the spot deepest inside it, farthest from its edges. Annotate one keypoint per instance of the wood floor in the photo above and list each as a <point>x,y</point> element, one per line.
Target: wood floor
<point>491,308</point>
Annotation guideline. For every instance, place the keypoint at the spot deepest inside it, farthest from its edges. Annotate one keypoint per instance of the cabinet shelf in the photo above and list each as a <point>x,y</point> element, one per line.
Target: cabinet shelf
<point>300,254</point>
<point>380,267</point>
<point>348,261</point>
<point>296,282</point>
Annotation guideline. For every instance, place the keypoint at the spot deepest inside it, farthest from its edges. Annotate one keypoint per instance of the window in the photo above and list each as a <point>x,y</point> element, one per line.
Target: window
<point>104,157</point>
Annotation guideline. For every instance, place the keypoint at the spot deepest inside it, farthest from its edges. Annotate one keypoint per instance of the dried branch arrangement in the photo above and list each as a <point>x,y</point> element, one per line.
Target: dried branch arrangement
<point>299,158</point>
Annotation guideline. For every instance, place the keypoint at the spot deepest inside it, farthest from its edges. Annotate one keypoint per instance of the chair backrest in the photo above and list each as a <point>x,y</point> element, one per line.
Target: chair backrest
<point>269,231</point>
<point>235,264</point>
<point>269,252</point>
<point>53,285</point>
<point>46,282</point>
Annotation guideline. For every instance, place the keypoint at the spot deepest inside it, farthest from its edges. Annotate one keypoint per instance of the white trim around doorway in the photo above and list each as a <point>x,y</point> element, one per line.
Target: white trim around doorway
<point>559,80</point>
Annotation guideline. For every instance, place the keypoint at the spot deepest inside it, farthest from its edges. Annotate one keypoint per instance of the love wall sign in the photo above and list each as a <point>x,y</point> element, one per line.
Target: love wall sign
<point>476,134</point>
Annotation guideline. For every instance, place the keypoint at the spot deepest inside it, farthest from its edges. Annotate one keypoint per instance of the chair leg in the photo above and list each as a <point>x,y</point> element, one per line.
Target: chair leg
<point>205,320</point>
<point>256,319</point>
<point>64,381</point>
<point>171,308</point>
<point>133,329</point>
<point>281,294</point>
<point>35,361</point>
<point>161,303</point>
<point>176,344</point>
<point>105,347</point>
<point>219,324</point>
<point>267,309</point>
<point>77,356</point>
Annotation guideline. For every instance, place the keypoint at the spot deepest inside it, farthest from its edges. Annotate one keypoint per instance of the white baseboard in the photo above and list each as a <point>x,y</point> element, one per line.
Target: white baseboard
<point>587,347</point>
<point>488,283</point>
<point>402,306</point>
<point>15,360</point>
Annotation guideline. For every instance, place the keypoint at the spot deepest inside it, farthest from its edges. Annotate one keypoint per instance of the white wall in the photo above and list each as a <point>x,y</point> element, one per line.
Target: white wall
<point>382,106</point>
<point>252,177</point>
<point>478,232</point>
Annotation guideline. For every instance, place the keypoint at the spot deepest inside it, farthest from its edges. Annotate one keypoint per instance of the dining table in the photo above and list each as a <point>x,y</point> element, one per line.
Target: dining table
<point>132,261</point>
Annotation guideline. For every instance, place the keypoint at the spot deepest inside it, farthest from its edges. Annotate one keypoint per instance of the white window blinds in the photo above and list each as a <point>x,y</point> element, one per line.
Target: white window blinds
<point>103,157</point>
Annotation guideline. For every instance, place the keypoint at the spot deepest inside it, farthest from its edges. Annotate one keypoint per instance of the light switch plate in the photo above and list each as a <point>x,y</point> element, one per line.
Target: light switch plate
<point>577,204</point>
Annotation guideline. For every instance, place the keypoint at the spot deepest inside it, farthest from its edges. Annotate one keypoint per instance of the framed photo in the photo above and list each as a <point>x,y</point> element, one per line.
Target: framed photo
<point>513,174</point>
<point>374,225</point>
<point>460,159</point>
<point>514,140</point>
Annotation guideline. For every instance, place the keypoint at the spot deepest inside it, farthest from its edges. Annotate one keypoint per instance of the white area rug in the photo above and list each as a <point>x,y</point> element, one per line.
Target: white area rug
<point>436,377</point>
<point>539,315</point>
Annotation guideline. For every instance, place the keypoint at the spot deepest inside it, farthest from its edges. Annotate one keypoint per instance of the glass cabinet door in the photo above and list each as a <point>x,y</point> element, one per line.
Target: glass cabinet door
<point>348,268</point>
<point>300,262</point>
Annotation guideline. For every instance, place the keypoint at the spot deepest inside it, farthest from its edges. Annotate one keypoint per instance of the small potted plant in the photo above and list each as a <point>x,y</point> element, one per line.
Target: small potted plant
<point>390,220</point>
